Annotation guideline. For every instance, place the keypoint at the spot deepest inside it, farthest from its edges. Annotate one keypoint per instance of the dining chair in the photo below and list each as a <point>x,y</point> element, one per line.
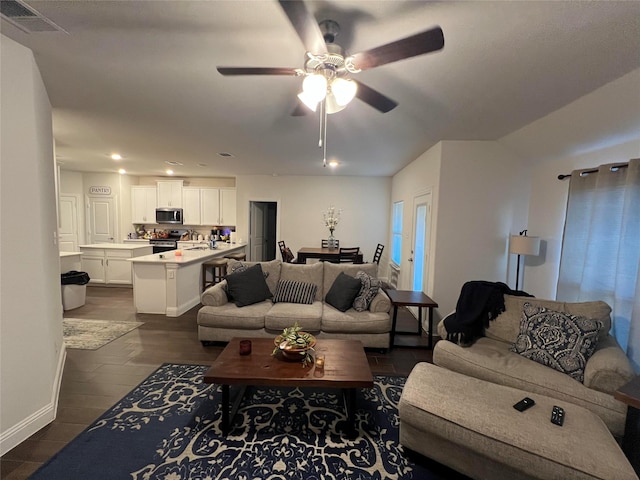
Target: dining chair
<point>348,254</point>
<point>325,243</point>
<point>378,254</point>
<point>287,256</point>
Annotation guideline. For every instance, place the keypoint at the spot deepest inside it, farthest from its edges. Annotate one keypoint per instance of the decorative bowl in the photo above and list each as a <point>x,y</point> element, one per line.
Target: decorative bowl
<point>292,352</point>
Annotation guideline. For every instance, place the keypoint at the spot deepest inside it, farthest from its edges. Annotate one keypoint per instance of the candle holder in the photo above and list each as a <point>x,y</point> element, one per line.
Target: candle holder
<point>245,347</point>
<point>320,361</point>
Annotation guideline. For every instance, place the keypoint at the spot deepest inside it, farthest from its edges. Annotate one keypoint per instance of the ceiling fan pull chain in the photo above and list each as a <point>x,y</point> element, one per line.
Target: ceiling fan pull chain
<point>320,139</point>
<point>324,131</point>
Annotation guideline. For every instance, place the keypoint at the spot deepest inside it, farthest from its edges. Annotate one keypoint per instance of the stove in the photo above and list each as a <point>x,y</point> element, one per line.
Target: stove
<point>165,244</point>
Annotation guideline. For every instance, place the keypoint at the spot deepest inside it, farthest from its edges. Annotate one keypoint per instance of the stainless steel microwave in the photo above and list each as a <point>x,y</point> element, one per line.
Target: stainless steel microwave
<point>169,215</point>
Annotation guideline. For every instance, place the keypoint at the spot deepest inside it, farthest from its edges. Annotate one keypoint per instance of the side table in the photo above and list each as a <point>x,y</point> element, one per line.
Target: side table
<point>630,394</point>
<point>409,298</point>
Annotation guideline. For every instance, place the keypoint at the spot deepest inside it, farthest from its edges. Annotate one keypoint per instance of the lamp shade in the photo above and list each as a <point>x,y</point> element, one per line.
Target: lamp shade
<point>343,90</point>
<point>524,245</point>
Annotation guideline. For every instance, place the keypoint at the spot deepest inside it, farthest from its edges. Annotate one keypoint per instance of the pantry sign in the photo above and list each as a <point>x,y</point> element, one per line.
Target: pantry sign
<point>100,190</point>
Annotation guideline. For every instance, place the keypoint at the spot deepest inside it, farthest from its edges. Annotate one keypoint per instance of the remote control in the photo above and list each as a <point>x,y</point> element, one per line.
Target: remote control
<point>557,415</point>
<point>523,404</point>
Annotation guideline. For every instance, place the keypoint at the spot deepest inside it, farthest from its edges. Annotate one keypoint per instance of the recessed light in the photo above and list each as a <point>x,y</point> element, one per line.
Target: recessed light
<point>122,171</point>
<point>169,172</point>
<point>174,163</point>
<point>225,154</point>
<point>116,156</point>
<point>333,163</point>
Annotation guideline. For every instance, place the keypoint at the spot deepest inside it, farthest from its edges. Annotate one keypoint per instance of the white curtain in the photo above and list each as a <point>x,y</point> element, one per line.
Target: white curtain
<point>601,247</point>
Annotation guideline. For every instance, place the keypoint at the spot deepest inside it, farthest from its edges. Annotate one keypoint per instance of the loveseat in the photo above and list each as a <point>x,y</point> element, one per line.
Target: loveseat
<point>220,319</point>
<point>490,358</point>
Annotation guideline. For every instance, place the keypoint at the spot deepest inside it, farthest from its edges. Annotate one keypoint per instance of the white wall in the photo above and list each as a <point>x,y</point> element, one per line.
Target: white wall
<point>480,193</point>
<point>601,127</point>
<point>483,199</point>
<point>365,204</point>
<point>31,346</point>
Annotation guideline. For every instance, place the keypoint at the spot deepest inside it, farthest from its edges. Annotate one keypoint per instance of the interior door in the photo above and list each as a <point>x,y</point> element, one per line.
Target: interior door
<point>69,221</point>
<point>420,260</point>
<point>257,235</point>
<point>101,218</point>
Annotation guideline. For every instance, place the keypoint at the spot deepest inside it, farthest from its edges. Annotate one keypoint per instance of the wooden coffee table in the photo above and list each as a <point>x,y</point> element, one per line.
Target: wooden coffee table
<point>346,367</point>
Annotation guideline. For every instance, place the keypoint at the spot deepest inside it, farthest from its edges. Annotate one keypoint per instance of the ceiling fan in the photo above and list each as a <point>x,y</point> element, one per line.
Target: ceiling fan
<point>327,70</point>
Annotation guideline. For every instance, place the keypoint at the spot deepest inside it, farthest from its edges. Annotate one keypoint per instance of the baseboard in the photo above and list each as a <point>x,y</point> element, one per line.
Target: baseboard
<point>39,419</point>
<point>183,308</point>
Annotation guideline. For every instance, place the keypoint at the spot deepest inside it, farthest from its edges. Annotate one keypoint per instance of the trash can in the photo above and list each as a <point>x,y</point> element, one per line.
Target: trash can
<point>74,289</point>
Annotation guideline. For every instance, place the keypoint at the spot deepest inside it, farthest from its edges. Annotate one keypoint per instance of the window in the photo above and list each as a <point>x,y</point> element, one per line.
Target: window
<point>396,233</point>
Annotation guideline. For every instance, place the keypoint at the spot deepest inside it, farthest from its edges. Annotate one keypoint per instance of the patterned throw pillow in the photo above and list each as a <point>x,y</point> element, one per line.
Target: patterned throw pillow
<point>558,340</point>
<point>292,291</point>
<point>369,289</point>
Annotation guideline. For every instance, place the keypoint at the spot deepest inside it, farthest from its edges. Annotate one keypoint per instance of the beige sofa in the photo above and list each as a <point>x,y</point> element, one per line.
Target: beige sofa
<point>489,358</point>
<point>220,320</point>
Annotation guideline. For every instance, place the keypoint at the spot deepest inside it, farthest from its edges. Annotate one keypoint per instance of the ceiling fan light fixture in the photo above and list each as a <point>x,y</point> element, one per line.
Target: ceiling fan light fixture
<point>343,90</point>
<point>315,86</point>
<point>309,100</point>
<point>332,105</point>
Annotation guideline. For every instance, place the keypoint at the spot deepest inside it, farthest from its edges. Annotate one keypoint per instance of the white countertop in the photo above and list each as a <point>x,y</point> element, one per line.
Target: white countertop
<point>116,246</point>
<point>69,254</point>
<point>188,256</point>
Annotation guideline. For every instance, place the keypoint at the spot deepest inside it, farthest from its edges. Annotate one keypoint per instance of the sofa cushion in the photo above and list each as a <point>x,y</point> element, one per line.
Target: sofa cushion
<point>343,292</point>
<point>506,326</point>
<point>302,272</point>
<point>292,291</point>
<point>368,290</point>
<point>332,270</point>
<point>228,315</point>
<point>248,286</point>
<point>558,340</point>
<point>271,270</point>
<point>351,321</point>
<point>283,315</point>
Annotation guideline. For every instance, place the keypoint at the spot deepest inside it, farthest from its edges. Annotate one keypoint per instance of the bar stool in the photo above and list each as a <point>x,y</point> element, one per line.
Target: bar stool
<point>239,256</point>
<point>218,269</point>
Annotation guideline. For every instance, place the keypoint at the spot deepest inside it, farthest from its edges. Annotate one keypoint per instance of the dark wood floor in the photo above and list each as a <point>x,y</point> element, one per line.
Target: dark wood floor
<point>94,380</point>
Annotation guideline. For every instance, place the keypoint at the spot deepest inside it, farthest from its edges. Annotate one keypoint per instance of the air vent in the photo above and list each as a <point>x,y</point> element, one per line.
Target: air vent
<point>26,18</point>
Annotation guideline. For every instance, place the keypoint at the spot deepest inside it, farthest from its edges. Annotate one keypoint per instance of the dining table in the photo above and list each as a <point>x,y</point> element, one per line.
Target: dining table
<point>326,254</point>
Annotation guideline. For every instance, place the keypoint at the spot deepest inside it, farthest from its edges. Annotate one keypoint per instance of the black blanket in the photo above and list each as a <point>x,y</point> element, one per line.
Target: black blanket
<point>479,302</point>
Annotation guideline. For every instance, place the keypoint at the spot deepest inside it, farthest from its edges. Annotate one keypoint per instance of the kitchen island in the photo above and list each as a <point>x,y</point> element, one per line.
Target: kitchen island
<point>169,284</point>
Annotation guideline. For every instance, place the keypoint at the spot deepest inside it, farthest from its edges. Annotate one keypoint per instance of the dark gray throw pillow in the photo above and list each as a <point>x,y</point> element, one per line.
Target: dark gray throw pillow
<point>343,292</point>
<point>558,340</point>
<point>248,286</point>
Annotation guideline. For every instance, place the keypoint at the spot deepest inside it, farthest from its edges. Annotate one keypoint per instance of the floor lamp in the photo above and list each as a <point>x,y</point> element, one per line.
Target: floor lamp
<point>523,245</point>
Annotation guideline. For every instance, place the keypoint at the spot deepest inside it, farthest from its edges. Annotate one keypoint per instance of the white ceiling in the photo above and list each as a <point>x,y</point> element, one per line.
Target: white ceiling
<point>139,78</point>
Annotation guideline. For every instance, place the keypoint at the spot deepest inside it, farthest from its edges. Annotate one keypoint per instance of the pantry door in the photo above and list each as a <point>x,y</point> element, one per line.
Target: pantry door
<point>101,219</point>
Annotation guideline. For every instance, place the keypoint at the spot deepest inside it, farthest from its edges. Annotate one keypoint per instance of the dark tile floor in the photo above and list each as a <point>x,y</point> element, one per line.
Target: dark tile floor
<point>94,380</point>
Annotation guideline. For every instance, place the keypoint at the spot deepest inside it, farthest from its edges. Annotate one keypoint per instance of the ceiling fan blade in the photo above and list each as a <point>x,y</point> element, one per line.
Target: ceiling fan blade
<point>419,44</point>
<point>374,98</point>
<point>305,25</point>
<point>256,71</point>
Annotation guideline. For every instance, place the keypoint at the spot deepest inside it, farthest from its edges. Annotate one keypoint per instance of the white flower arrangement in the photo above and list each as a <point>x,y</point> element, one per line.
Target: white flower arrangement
<point>331,218</point>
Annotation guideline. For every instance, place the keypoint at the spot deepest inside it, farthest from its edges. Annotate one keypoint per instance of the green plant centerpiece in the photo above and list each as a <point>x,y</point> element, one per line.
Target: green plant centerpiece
<point>295,344</point>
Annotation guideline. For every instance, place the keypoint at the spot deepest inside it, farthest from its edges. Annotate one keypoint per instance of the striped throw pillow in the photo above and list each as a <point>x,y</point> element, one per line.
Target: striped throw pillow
<point>291,291</point>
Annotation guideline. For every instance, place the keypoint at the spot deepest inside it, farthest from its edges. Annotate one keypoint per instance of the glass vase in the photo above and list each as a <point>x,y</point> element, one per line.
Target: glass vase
<point>331,241</point>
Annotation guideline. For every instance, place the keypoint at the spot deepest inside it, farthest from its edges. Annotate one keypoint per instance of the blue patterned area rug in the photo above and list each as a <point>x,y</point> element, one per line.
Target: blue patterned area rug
<point>168,428</point>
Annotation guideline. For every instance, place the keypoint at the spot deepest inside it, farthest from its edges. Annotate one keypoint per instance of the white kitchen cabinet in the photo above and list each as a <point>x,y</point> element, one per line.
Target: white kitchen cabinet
<point>143,204</point>
<point>227,206</point>
<point>191,206</point>
<point>218,206</point>
<point>209,206</point>
<point>170,193</point>
<point>110,264</point>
